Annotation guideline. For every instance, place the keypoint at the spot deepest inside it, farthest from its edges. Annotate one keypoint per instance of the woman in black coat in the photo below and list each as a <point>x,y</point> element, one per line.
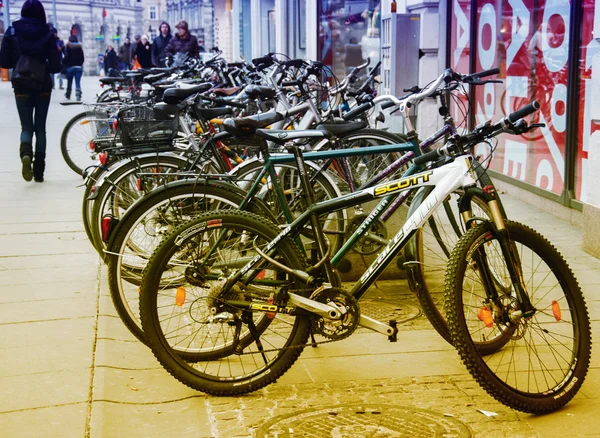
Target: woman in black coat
<point>29,47</point>
<point>143,52</point>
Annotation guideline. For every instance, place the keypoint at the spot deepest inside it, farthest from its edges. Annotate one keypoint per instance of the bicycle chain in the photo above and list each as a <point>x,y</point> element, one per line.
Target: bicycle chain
<point>311,344</point>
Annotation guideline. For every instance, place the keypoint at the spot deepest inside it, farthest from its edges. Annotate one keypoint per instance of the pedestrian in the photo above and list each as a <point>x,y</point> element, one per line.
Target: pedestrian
<point>160,44</point>
<point>182,42</point>
<point>125,54</point>
<point>201,47</point>
<point>111,60</point>
<point>59,45</point>
<point>61,48</point>
<point>73,62</point>
<point>143,52</point>
<point>30,49</point>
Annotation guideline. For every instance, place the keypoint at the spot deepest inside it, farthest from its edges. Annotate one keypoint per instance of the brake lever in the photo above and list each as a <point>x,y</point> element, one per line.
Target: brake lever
<point>535,126</point>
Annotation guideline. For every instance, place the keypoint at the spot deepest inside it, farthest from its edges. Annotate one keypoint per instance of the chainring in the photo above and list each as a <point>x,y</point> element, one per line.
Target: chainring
<point>366,246</point>
<point>346,303</point>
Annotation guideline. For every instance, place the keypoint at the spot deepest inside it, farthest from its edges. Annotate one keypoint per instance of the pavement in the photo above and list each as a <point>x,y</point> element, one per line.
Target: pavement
<point>69,367</point>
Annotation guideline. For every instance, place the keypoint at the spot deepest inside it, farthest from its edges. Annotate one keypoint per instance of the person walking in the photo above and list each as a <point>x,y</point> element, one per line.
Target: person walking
<point>125,54</point>
<point>30,49</point>
<point>182,42</point>
<point>111,60</point>
<point>160,44</point>
<point>143,52</point>
<point>73,62</point>
<point>61,48</point>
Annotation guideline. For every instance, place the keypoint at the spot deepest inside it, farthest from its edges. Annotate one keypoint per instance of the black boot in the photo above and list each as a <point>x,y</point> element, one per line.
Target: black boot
<point>26,152</point>
<point>39,165</point>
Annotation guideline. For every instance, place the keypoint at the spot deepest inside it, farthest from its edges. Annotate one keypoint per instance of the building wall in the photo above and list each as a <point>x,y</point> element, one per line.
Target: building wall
<point>122,16</point>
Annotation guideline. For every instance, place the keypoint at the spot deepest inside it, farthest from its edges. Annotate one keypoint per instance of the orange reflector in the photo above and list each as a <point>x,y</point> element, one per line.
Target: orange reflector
<point>216,121</point>
<point>103,158</point>
<point>261,275</point>
<point>85,122</point>
<point>485,315</point>
<point>92,145</point>
<point>180,296</point>
<point>556,310</point>
<point>199,129</point>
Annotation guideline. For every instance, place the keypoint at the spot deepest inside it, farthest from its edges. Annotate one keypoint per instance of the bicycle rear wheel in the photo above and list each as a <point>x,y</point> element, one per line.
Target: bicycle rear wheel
<point>539,362</point>
<point>203,341</point>
<point>143,227</point>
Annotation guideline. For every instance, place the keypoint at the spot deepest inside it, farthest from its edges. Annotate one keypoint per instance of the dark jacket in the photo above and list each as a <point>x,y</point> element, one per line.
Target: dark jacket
<point>177,45</point>
<point>73,55</point>
<point>143,54</point>
<point>111,60</point>
<point>159,44</point>
<point>31,37</point>
<point>125,53</point>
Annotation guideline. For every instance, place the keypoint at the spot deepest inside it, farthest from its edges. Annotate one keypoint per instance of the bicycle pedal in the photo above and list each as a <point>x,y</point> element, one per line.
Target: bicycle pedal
<point>394,336</point>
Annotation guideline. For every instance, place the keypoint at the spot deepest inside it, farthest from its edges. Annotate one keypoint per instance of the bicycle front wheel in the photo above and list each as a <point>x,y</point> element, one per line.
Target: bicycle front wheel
<point>533,364</point>
<point>192,327</point>
<point>77,135</point>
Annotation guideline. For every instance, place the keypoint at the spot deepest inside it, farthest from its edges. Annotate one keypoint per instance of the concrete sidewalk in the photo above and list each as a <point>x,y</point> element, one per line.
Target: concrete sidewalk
<point>70,368</point>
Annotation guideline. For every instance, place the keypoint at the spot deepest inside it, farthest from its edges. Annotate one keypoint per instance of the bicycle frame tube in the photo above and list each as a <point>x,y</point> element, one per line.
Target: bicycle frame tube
<point>446,180</point>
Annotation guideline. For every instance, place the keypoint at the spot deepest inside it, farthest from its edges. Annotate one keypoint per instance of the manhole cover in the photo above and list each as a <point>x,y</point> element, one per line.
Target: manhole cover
<point>362,422</point>
<point>385,311</point>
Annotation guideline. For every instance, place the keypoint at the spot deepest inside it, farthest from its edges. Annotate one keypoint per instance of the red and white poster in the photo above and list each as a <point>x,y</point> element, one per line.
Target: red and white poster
<point>528,40</point>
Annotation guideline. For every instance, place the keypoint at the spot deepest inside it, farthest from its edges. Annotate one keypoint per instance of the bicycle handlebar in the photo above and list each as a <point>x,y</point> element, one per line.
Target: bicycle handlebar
<point>478,134</point>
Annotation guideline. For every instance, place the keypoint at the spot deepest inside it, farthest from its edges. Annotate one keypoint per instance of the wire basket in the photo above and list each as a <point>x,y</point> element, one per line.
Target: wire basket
<point>139,125</point>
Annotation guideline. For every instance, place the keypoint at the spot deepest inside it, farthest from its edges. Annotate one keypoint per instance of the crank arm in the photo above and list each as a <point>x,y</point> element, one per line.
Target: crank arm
<point>379,327</point>
<point>321,309</point>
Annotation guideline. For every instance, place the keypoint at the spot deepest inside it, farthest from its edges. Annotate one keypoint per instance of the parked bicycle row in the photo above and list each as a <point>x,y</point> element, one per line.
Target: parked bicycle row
<point>225,199</point>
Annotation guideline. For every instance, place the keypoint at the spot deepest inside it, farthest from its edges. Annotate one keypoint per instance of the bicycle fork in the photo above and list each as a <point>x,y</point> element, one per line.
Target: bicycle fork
<point>509,253</point>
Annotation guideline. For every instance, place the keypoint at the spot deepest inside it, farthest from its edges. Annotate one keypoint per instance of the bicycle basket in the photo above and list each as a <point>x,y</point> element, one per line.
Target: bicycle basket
<point>139,125</point>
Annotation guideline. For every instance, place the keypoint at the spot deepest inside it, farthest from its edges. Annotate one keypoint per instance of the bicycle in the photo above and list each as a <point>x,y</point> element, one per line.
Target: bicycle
<point>249,300</point>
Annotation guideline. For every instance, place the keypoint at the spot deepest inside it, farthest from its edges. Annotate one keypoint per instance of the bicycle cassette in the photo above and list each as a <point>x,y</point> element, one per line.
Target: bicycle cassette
<point>346,304</point>
<point>373,241</point>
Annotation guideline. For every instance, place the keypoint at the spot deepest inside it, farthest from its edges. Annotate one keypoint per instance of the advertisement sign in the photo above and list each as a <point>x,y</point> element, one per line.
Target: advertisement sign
<point>528,40</point>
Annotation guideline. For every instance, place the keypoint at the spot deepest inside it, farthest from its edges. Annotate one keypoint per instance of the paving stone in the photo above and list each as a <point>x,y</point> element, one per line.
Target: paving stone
<point>51,422</point>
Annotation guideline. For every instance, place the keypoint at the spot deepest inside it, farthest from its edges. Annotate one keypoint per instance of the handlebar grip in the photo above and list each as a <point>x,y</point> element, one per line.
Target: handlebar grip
<point>357,110</point>
<point>262,60</point>
<point>524,112</point>
<point>427,156</point>
<point>387,104</point>
<point>483,74</point>
<point>290,83</point>
<point>295,63</point>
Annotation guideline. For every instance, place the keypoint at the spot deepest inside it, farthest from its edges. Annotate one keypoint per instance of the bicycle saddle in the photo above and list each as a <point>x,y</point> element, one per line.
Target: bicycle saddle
<point>211,113</point>
<point>153,78</point>
<point>112,80</point>
<point>281,136</point>
<point>246,126</point>
<point>164,111</point>
<point>256,91</point>
<point>226,91</point>
<point>178,95</point>
<point>338,129</point>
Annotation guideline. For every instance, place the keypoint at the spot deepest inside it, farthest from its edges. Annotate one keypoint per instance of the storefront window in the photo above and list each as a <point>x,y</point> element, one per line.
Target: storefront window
<point>349,33</point>
<point>528,41</point>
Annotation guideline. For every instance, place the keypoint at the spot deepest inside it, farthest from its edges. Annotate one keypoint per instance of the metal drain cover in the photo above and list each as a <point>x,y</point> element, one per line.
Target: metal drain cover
<point>363,422</point>
<point>384,311</point>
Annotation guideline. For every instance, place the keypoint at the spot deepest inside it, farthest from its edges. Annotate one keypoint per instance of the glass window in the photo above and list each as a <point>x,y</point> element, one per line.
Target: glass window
<point>153,13</point>
<point>349,32</point>
<point>528,41</point>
